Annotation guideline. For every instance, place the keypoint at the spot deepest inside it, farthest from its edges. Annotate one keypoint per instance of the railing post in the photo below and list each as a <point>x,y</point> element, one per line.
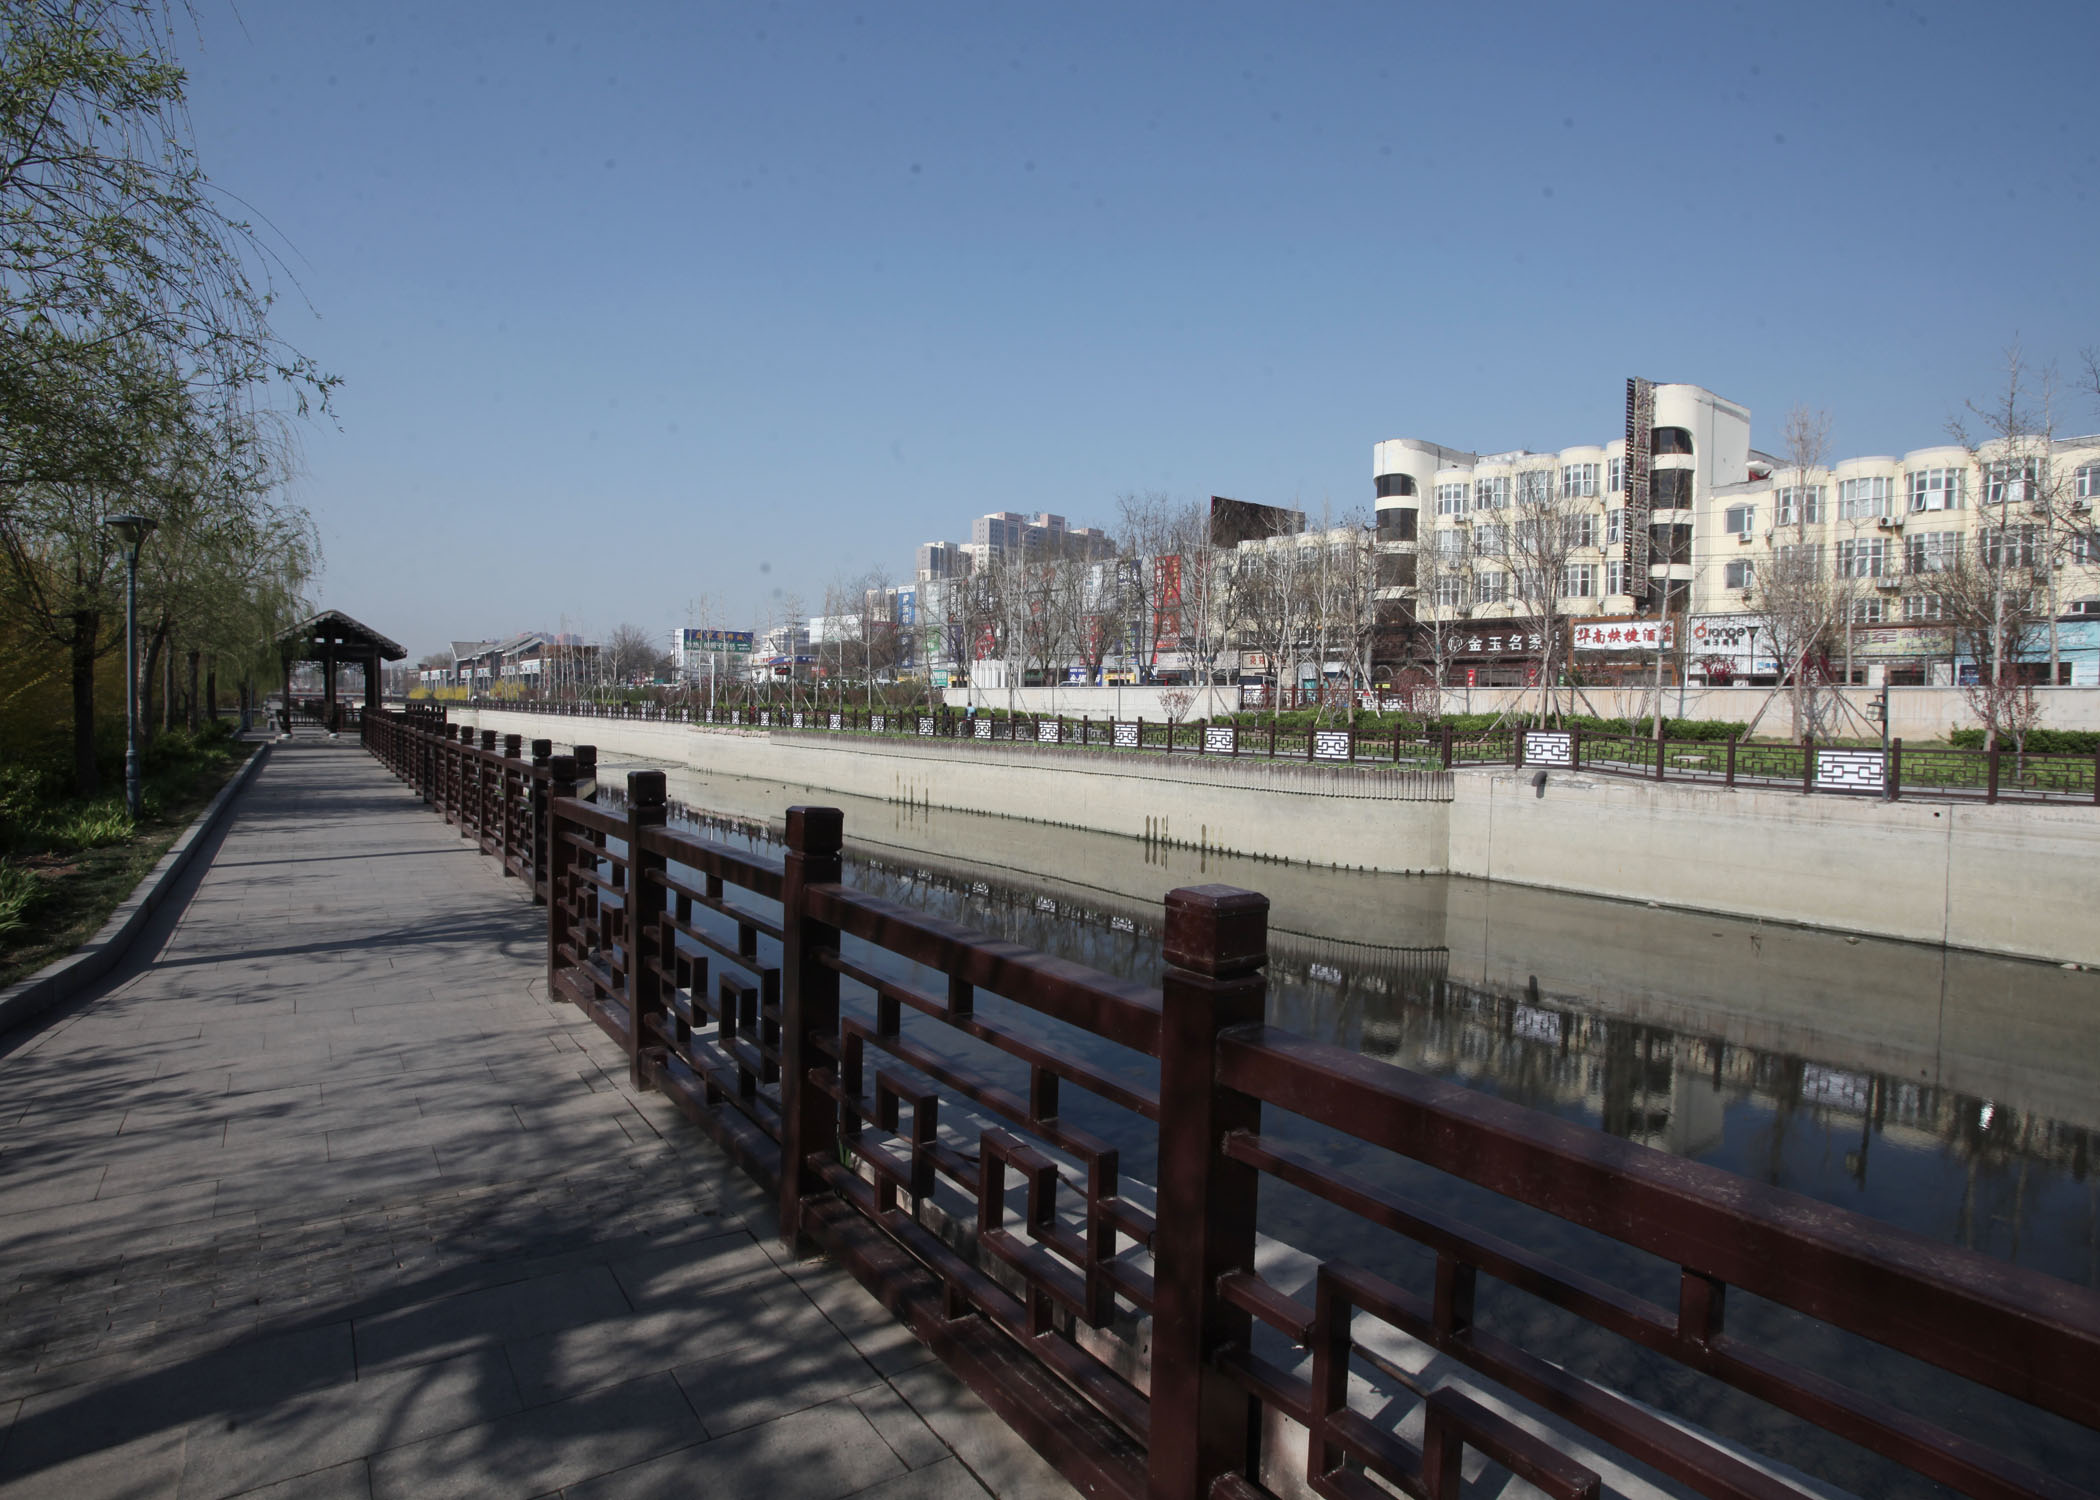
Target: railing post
<point>1574,747</point>
<point>1808,765</point>
<point>536,797</point>
<point>1990,793</point>
<point>809,1003</point>
<point>587,772</point>
<point>1216,943</point>
<point>646,809</point>
<point>561,782</point>
<point>1447,747</point>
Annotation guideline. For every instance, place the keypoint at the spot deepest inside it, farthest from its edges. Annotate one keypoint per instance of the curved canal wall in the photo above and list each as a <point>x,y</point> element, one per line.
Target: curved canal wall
<point>2006,879</point>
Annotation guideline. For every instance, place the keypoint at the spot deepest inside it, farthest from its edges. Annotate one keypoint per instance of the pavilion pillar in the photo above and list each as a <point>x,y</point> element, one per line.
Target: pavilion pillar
<point>328,686</point>
<point>372,682</point>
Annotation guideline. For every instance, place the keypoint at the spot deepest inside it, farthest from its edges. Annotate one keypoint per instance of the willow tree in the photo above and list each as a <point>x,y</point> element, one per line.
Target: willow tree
<point>133,311</point>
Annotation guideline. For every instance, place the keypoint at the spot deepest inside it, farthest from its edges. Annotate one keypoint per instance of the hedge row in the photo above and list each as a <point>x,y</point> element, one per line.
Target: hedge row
<point>2039,741</point>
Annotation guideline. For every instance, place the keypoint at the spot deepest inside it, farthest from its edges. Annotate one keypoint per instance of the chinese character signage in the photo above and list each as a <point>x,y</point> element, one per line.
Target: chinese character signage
<point>734,641</point>
<point>1625,635</point>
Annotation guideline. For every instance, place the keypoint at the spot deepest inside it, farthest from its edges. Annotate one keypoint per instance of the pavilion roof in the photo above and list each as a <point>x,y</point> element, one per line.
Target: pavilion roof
<point>333,628</point>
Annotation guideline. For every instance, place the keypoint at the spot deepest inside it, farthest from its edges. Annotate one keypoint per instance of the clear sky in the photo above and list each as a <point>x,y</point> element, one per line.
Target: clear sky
<point>642,305</point>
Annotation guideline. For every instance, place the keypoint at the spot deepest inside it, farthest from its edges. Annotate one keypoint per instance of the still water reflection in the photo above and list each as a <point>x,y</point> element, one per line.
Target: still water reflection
<point>1954,1094</point>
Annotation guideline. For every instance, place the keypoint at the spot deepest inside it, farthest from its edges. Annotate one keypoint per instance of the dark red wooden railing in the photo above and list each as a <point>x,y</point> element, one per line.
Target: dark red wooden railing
<point>956,1183</point>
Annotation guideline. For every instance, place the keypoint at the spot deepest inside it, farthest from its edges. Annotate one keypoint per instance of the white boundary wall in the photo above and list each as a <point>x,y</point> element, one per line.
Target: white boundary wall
<point>2007,879</point>
<point>1918,713</point>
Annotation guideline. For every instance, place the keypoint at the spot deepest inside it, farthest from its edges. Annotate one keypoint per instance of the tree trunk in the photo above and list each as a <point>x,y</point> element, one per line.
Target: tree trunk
<point>145,683</point>
<point>87,629</point>
<point>190,713</point>
<point>211,691</point>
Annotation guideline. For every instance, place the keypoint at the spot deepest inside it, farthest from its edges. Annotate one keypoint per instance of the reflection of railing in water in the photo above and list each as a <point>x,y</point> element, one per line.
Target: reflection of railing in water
<point>858,1125</point>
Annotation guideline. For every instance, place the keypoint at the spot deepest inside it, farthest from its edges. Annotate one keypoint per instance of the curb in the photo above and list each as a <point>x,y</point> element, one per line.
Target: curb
<point>63,978</point>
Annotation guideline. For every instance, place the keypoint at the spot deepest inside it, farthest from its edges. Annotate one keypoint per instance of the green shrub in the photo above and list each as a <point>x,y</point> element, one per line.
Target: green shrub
<point>2039,741</point>
<point>94,825</point>
<point>18,892</point>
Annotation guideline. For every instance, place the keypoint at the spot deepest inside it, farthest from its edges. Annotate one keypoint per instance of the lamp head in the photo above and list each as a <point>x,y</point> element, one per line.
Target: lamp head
<point>133,529</point>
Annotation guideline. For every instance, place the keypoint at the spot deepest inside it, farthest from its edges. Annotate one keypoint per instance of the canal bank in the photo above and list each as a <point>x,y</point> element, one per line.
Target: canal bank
<point>2012,880</point>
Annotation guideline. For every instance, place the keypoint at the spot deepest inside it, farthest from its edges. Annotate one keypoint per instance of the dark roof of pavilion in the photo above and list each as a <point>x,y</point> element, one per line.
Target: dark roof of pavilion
<point>350,637</point>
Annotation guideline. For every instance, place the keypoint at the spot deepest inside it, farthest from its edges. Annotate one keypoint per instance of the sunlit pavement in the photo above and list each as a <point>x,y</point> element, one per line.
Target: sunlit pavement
<point>319,1196</point>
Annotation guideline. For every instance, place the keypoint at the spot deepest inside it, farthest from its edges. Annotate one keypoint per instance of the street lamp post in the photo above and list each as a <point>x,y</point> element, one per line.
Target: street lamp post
<point>133,530</point>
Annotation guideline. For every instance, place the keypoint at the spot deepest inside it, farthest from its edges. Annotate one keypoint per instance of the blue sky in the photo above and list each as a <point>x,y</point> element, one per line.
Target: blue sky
<point>641,305</point>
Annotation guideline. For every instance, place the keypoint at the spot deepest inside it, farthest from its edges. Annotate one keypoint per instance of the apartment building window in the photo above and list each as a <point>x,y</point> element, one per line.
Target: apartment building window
<point>1451,499</point>
<point>1491,494</point>
<point>2087,482</point>
<point>1933,551</point>
<point>1799,504</point>
<point>1578,481</point>
<point>1488,540</point>
<point>1451,593</point>
<point>1936,489</point>
<point>1534,488</point>
<point>1672,489</point>
<point>1578,581</point>
<point>1615,479</point>
<point>1864,499</point>
<point>1869,611</point>
<point>1736,575</point>
<point>1397,524</point>
<point>1740,519</point>
<point>1578,531</point>
<point>1801,559</point>
<point>1615,575</point>
<point>2085,547</point>
<point>1923,607</point>
<point>1614,527</point>
<point>1492,587</point>
<point>2012,482</point>
<point>2011,546</point>
<point>1391,485</point>
<point>1867,557</point>
<point>1450,542</point>
<point>1670,440</point>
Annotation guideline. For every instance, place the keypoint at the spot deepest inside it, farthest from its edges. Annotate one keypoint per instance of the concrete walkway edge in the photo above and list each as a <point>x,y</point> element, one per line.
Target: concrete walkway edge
<point>61,979</point>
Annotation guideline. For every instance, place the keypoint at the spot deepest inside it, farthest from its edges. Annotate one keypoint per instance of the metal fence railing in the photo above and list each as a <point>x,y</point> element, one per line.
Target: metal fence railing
<point>1999,775</point>
<point>945,1114</point>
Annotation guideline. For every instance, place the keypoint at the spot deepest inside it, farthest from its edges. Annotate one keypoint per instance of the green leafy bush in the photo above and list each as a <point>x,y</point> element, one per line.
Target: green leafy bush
<point>18,892</point>
<point>2039,741</point>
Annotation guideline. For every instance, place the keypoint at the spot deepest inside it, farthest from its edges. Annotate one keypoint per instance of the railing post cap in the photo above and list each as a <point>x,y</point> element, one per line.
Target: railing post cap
<point>646,788</point>
<point>815,830</point>
<point>541,749</point>
<point>1217,930</point>
<point>562,768</point>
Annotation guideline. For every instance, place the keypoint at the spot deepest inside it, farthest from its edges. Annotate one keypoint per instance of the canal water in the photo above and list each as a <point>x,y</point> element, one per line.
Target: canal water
<point>1952,1094</point>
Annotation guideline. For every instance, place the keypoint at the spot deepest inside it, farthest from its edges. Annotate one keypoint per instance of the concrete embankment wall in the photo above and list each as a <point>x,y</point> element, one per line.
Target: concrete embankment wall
<point>2007,879</point>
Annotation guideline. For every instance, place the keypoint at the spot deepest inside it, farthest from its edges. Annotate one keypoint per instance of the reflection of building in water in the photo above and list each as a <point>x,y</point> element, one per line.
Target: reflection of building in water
<point>1665,1088</point>
<point>1670,1091</point>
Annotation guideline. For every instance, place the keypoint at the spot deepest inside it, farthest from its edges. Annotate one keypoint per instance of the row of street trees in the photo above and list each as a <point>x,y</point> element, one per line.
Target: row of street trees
<point>138,374</point>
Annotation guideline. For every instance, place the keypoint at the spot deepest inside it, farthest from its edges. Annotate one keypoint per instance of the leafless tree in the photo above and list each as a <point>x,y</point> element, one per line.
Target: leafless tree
<point>1999,596</point>
<point>1802,596</point>
<point>631,652</point>
<point>1534,542</point>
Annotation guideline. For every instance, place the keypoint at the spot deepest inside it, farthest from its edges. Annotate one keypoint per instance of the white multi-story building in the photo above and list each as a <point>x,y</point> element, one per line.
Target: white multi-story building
<point>1681,531</point>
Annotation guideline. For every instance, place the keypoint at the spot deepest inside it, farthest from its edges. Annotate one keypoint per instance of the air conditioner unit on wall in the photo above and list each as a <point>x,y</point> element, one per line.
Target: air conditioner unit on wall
<point>1889,523</point>
<point>1886,582</point>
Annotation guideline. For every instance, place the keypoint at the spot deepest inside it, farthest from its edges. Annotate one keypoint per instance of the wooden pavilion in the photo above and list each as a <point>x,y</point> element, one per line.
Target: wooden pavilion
<point>333,639</point>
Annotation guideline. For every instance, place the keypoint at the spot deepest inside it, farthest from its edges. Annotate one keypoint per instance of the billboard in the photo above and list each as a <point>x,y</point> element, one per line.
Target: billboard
<point>737,642</point>
<point>1625,635</point>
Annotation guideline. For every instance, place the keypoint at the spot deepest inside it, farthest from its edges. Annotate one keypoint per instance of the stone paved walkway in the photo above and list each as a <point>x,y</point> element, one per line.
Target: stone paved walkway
<point>318,1196</point>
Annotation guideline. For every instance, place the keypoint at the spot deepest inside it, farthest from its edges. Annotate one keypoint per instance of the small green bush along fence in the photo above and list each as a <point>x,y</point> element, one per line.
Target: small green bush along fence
<point>1998,775</point>
<point>810,1028</point>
